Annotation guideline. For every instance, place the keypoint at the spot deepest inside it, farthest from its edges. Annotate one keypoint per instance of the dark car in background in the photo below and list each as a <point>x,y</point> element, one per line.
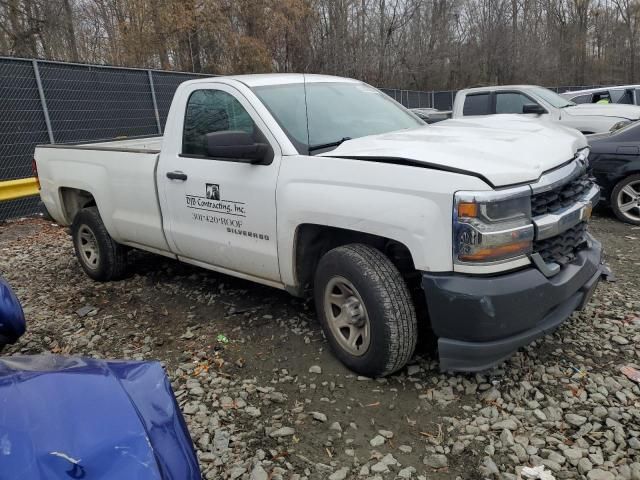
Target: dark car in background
<point>615,163</point>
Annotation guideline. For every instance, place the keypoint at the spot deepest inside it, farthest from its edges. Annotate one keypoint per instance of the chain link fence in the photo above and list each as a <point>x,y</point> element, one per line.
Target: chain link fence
<point>55,102</point>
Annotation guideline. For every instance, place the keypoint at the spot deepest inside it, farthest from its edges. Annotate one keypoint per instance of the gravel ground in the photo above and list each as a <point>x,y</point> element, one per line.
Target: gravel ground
<point>264,399</point>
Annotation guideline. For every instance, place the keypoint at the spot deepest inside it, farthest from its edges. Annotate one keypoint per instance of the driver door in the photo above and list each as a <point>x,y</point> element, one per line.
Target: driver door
<point>220,212</point>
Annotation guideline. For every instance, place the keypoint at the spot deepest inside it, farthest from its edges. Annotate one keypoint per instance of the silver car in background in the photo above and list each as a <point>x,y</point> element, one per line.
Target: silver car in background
<point>625,94</point>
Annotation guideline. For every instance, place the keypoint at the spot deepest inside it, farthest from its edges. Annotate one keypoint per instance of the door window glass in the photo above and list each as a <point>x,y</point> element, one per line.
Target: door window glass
<point>511,102</point>
<point>601,97</point>
<point>621,96</point>
<point>478,104</point>
<point>582,99</point>
<point>212,111</point>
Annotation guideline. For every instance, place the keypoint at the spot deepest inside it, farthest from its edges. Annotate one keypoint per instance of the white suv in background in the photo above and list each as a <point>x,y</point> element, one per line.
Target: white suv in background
<point>544,104</point>
<point>625,94</point>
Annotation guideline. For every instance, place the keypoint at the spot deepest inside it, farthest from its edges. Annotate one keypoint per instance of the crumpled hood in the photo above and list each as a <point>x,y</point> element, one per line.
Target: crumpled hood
<point>631,112</point>
<point>72,418</point>
<point>504,149</point>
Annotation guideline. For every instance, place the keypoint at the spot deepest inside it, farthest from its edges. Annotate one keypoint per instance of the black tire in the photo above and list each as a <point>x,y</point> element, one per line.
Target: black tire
<point>111,259</point>
<point>393,327</point>
<point>633,219</point>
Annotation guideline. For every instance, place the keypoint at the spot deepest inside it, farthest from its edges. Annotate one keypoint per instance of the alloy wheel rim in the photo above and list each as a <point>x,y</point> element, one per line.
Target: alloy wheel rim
<point>628,201</point>
<point>347,316</point>
<point>88,247</point>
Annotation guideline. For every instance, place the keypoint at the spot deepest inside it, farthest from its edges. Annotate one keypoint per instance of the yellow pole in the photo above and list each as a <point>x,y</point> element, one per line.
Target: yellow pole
<point>20,188</point>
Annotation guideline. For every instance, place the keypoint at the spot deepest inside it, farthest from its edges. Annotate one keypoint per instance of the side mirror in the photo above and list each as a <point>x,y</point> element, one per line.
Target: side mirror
<point>238,145</point>
<point>533,108</point>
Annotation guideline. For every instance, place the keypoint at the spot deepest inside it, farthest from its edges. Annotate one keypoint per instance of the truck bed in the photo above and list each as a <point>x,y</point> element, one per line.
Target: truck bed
<point>118,174</point>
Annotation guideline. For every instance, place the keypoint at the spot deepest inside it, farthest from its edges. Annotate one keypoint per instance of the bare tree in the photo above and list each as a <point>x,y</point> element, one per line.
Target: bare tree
<point>419,44</point>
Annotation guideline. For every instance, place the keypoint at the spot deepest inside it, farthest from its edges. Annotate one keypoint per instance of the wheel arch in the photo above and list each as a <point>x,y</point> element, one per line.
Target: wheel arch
<point>72,200</point>
<point>312,241</point>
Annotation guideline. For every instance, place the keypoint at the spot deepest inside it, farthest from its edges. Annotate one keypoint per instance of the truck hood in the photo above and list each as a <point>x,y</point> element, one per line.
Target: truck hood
<point>631,112</point>
<point>504,149</point>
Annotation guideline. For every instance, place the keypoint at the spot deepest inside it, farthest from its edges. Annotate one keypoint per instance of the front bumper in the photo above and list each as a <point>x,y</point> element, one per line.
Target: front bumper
<point>480,321</point>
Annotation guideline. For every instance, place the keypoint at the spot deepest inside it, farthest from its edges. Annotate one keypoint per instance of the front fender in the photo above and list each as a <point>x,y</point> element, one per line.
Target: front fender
<point>408,204</point>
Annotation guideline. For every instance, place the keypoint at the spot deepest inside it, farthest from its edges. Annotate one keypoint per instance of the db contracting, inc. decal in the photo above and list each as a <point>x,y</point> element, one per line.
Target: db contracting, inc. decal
<point>212,202</point>
<point>212,208</point>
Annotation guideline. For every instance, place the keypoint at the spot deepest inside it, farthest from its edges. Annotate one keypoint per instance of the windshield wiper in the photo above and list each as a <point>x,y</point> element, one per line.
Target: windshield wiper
<point>328,145</point>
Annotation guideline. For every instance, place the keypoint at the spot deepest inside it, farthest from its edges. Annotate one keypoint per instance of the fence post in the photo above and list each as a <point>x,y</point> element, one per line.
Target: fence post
<point>43,101</point>
<point>155,103</point>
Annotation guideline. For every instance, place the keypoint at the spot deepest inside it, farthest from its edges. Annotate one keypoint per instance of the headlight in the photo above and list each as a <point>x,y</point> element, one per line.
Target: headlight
<point>619,125</point>
<point>492,227</point>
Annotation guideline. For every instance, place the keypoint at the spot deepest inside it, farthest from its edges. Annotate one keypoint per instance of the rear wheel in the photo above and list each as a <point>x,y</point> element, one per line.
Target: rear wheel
<point>99,255</point>
<point>365,309</point>
<point>625,200</point>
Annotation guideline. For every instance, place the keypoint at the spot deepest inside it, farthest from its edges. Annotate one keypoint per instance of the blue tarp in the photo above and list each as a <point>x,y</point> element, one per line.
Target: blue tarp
<point>12,324</point>
<point>79,418</point>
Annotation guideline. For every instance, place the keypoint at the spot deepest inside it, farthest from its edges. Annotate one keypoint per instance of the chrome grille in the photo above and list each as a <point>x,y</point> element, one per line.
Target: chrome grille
<point>562,248</point>
<point>560,197</point>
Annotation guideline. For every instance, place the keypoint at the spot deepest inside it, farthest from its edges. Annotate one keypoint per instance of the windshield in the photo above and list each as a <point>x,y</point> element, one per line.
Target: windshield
<point>552,97</point>
<point>335,111</point>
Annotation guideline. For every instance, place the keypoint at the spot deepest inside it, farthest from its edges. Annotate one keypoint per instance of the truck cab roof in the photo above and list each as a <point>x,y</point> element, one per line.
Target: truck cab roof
<point>263,79</point>
<point>496,88</point>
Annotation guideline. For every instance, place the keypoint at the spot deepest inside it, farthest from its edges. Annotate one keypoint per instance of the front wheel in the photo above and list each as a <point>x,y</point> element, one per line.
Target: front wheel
<point>365,310</point>
<point>625,199</point>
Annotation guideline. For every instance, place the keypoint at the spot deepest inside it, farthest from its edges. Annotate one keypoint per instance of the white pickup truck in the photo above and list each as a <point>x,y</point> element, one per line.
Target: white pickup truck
<point>543,104</point>
<point>475,230</point>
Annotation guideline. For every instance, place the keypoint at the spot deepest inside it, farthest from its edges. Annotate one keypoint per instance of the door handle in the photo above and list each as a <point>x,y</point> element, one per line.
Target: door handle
<point>627,150</point>
<point>177,176</point>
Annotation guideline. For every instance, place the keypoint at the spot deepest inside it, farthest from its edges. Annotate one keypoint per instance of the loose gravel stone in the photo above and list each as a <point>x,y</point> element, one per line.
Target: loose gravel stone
<point>597,474</point>
<point>508,424</point>
<point>282,432</point>
<point>379,467</point>
<point>506,437</point>
<point>257,410</point>
<point>619,340</point>
<point>584,465</point>
<point>377,441</point>
<point>320,417</point>
<point>253,411</point>
<point>576,420</point>
<point>406,472</point>
<point>339,474</point>
<point>236,472</point>
<point>259,473</point>
<point>435,461</point>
